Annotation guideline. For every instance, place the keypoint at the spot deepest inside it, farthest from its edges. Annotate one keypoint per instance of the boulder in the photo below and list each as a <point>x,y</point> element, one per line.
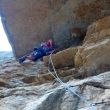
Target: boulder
<point>96,37</point>
<point>101,24</point>
<point>62,59</point>
<point>30,22</point>
<point>98,31</point>
<point>95,51</point>
<point>95,57</point>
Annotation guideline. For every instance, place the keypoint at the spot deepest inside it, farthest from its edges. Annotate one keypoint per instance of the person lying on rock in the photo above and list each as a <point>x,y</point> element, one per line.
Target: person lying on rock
<point>44,49</point>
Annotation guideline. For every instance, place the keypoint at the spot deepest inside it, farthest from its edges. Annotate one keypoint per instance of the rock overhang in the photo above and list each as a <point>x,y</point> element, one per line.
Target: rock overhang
<point>28,23</point>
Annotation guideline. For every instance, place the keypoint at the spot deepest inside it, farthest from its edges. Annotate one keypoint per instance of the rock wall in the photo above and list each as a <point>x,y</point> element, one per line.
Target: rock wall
<point>95,51</point>
<point>30,22</point>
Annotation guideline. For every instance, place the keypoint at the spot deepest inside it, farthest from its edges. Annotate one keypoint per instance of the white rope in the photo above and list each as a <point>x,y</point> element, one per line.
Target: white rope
<point>91,106</point>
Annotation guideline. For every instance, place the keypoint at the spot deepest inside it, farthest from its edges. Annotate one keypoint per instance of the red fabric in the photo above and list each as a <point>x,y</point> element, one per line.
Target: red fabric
<point>49,43</point>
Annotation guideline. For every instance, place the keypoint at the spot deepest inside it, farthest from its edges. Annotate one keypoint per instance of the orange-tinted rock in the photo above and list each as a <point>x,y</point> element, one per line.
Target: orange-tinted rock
<point>78,57</point>
<point>97,37</point>
<point>94,53</point>
<point>63,58</point>
<point>101,24</point>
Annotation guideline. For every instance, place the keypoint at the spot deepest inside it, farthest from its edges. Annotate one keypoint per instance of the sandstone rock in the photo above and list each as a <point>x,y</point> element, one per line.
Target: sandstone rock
<point>98,31</point>
<point>95,57</point>
<point>64,73</point>
<point>29,23</point>
<point>97,37</point>
<point>38,79</point>
<point>101,24</point>
<point>13,74</point>
<point>78,57</point>
<point>94,53</point>
<point>63,58</point>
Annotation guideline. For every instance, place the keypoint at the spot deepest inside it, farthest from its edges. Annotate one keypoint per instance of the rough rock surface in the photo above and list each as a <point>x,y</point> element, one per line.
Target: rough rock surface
<point>63,58</point>
<point>95,51</point>
<point>13,74</point>
<point>31,86</point>
<point>30,22</point>
<point>99,25</point>
<point>18,95</point>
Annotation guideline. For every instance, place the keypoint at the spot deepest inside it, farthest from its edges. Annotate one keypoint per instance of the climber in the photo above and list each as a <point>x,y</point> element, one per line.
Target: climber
<point>38,52</point>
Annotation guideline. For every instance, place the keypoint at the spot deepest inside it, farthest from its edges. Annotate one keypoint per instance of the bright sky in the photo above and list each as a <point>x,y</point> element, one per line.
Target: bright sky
<point>4,44</point>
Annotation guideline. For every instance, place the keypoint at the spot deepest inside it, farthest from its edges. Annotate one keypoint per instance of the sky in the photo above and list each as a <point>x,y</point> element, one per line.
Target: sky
<point>4,44</point>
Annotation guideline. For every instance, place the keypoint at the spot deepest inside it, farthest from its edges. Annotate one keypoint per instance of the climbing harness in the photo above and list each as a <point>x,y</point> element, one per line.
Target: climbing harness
<point>67,87</point>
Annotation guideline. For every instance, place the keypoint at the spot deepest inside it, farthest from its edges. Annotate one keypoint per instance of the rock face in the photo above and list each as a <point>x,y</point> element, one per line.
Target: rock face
<point>84,70</point>
<point>95,52</point>
<point>29,23</point>
<point>101,24</point>
<point>18,95</point>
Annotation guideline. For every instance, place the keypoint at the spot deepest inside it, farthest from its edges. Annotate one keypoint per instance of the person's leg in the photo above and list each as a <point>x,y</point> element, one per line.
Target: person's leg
<point>22,59</point>
<point>37,55</point>
<point>29,57</point>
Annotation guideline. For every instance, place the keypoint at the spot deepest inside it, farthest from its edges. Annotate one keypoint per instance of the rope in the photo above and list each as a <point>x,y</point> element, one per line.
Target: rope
<point>66,86</point>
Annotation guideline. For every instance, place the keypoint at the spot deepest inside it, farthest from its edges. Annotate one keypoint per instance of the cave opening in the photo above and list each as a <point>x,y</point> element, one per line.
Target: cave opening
<point>5,47</point>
